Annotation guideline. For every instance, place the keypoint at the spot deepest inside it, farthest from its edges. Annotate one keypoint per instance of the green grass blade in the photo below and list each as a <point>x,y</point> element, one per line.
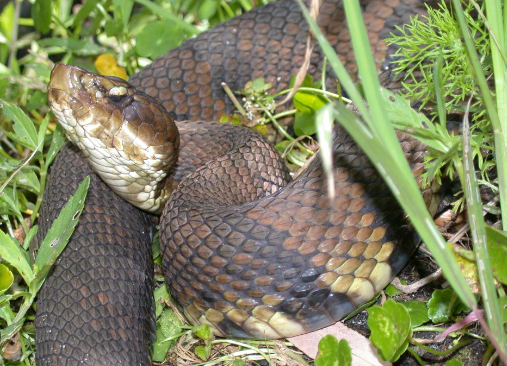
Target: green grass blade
<point>493,113</point>
<point>394,169</point>
<point>59,234</point>
<point>337,66</point>
<point>479,237</point>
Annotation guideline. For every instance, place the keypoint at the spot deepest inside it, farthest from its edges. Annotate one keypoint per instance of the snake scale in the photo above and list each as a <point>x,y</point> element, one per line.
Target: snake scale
<point>245,250</point>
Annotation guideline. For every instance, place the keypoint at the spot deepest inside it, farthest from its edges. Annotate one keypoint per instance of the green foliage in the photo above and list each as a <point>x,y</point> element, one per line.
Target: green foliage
<point>497,248</point>
<point>436,34</point>
<point>333,352</point>
<point>443,305</point>
<point>417,311</point>
<point>390,329</point>
<point>168,328</point>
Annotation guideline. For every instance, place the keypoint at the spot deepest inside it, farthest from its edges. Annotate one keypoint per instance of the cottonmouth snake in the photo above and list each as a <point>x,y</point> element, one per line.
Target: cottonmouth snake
<point>249,263</point>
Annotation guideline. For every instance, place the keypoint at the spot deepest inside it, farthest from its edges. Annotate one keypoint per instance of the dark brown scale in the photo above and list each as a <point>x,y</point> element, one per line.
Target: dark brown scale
<point>240,267</point>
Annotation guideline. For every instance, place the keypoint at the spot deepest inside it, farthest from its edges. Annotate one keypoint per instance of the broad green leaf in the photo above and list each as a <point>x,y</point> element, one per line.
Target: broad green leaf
<point>443,304</point>
<point>160,294</point>
<point>390,290</point>
<point>77,46</point>
<point>6,278</point>
<point>207,9</point>
<point>13,254</point>
<point>28,179</point>
<point>390,329</point>
<point>333,352</point>
<point>59,234</point>
<point>203,331</point>
<point>203,351</point>
<point>8,202</point>
<point>7,20</point>
<point>304,124</point>
<point>24,129</point>
<point>41,14</point>
<point>418,312</point>
<point>113,28</point>
<point>157,38</point>
<point>497,248</point>
<point>167,326</point>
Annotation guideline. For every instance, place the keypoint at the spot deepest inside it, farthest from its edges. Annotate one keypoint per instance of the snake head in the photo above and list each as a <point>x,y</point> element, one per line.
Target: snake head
<point>129,138</point>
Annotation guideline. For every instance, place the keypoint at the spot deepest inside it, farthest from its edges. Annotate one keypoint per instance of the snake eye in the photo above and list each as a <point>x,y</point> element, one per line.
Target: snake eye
<point>117,93</point>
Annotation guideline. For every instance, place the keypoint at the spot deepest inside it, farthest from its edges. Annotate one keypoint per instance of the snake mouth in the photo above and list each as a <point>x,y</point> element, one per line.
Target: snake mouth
<point>63,78</point>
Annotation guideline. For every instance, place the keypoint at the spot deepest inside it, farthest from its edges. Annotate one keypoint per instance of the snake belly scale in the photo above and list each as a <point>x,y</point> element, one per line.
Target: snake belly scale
<point>245,250</point>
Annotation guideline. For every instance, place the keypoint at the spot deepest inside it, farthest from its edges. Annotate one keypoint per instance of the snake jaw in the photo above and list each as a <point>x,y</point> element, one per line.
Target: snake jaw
<point>129,139</point>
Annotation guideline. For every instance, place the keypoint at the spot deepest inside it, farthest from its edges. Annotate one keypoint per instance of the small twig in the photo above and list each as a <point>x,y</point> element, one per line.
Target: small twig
<point>409,289</point>
<point>234,100</point>
<point>25,163</point>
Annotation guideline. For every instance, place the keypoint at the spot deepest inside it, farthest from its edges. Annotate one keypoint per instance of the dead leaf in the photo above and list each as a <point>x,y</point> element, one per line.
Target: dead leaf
<point>363,352</point>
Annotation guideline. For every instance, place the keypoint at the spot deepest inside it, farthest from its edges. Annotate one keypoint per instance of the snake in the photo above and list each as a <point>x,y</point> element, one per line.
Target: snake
<point>245,249</point>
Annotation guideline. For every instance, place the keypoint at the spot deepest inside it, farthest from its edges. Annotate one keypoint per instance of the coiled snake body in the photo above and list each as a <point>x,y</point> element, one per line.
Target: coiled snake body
<point>245,250</point>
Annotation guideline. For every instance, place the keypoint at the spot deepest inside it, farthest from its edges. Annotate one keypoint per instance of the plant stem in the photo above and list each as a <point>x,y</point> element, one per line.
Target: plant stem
<point>416,356</point>
<point>283,132</point>
<point>441,353</point>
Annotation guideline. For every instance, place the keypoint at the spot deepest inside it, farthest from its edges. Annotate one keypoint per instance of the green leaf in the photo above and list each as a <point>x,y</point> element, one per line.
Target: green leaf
<point>37,100</point>
<point>443,304</point>
<point>41,14</point>
<point>203,352</point>
<point>454,362</point>
<point>13,254</point>
<point>390,290</point>
<point>29,236</point>
<point>122,10</point>
<point>7,20</point>
<point>502,302</point>
<point>57,141</point>
<point>160,294</point>
<point>84,11</point>
<point>207,9</point>
<point>28,179</point>
<point>167,326</point>
<point>418,312</point>
<point>3,87</point>
<point>59,234</point>
<point>167,14</point>
<point>24,129</point>
<point>113,28</point>
<point>76,46</point>
<point>390,329</point>
<point>497,248</point>
<point>333,353</point>
<point>157,38</point>
<point>6,278</point>
<point>304,124</point>
<point>203,331</point>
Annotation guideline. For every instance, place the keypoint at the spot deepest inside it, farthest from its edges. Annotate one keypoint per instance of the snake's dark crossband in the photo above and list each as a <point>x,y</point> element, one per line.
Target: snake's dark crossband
<point>244,250</point>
